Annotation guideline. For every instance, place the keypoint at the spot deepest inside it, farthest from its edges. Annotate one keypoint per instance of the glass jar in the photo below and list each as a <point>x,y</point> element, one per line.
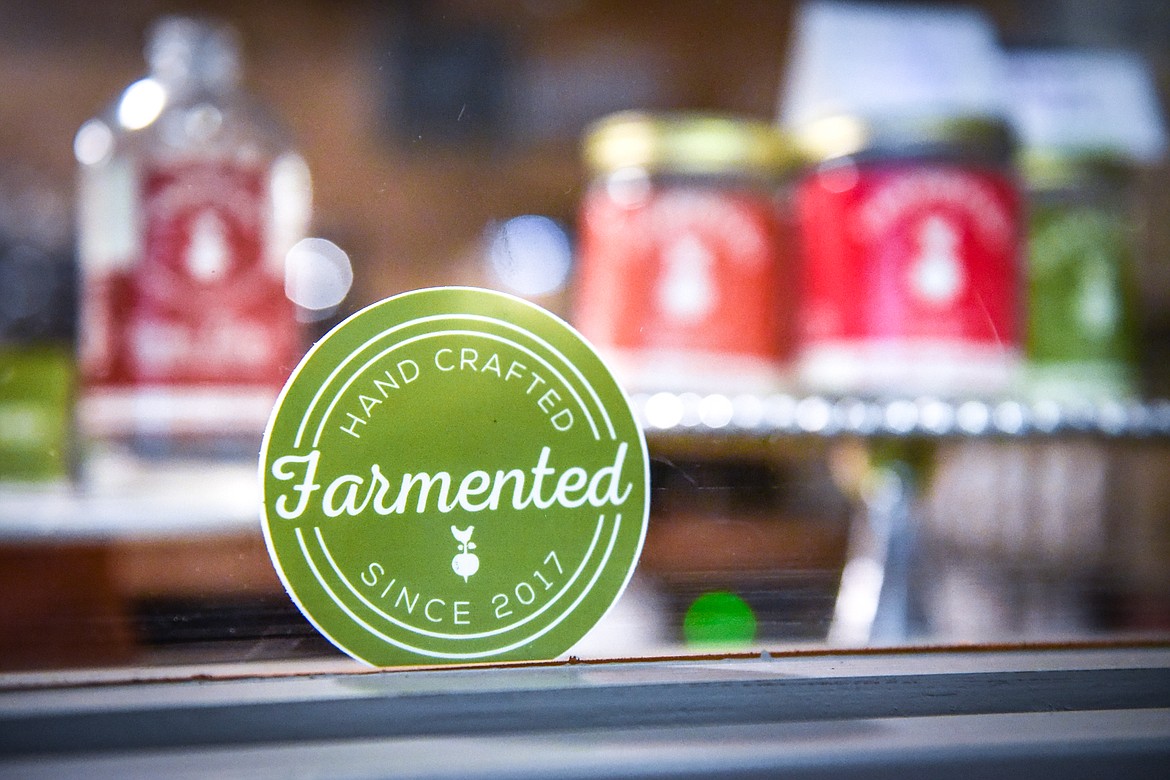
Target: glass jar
<point>911,239</point>
<point>685,273</point>
<point>1082,329</point>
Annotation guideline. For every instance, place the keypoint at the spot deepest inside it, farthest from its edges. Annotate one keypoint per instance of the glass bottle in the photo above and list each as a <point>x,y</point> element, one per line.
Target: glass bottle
<point>190,196</point>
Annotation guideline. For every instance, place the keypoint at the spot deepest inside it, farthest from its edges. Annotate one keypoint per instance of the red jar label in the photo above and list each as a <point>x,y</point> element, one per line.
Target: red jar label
<point>911,279</point>
<point>684,270</point>
<point>202,306</point>
<point>910,252</point>
<point>193,333</point>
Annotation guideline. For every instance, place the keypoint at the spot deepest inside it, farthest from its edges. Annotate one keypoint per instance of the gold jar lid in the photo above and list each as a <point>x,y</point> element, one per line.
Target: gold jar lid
<point>687,143</point>
<point>1058,169</point>
<point>983,138</point>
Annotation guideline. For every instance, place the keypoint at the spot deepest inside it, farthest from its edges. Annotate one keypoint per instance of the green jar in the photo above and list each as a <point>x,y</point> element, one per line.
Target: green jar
<point>1082,332</point>
<point>37,325</point>
<point>36,401</point>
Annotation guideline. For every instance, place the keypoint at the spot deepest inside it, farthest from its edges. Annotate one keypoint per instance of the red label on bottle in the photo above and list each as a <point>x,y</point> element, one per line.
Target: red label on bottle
<point>910,252</point>
<point>685,270</point>
<point>203,306</point>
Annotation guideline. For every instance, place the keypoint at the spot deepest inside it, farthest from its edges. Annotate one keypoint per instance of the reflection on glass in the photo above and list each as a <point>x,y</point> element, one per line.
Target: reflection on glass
<point>530,255</point>
<point>318,276</point>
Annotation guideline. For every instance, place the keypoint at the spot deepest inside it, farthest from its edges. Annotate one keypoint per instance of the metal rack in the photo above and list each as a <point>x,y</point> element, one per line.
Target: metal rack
<point>875,599</point>
<point>828,416</point>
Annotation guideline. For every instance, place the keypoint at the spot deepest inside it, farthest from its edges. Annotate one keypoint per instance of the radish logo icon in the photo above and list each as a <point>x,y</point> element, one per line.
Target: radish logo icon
<point>466,562</point>
<point>433,423</point>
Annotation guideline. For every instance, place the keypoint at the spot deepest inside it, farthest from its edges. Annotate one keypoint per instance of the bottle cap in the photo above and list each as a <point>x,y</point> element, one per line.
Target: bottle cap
<point>985,139</point>
<point>187,50</point>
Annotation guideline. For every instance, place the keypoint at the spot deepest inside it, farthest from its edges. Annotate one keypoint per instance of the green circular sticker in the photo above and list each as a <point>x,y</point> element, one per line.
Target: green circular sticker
<point>453,475</point>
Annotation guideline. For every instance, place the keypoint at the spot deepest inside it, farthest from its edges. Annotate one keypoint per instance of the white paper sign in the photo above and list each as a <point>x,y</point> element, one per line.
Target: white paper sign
<point>874,60</point>
<point>1085,100</point>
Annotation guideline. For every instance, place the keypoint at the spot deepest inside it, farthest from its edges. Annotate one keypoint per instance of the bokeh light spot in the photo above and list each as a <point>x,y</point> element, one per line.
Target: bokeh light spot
<point>719,618</point>
<point>142,103</point>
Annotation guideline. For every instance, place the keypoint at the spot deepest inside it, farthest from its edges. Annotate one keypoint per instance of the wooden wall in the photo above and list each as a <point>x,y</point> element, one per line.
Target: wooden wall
<point>410,211</point>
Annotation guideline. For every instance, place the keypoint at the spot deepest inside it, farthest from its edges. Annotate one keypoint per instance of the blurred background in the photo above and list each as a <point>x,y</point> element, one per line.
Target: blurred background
<point>435,132</point>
